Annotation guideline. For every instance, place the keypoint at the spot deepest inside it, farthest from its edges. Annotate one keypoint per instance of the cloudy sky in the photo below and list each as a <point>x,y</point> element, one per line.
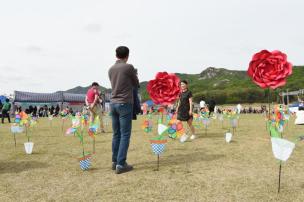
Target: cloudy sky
<point>50,45</point>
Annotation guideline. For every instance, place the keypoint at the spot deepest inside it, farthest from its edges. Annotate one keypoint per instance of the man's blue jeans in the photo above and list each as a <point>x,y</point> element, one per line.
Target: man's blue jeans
<point>122,125</point>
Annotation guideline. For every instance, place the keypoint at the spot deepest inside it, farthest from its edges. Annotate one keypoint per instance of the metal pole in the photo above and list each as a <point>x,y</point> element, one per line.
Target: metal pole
<point>206,129</point>
<point>94,145</point>
<point>280,171</point>
<point>287,97</point>
<point>15,139</point>
<point>269,103</point>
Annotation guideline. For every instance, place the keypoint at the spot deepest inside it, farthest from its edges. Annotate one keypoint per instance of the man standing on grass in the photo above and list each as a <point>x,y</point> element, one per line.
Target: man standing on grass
<point>5,110</point>
<point>123,80</point>
<point>93,102</point>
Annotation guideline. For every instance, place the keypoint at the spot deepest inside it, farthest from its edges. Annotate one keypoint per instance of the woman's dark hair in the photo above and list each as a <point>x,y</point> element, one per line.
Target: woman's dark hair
<point>95,84</point>
<point>122,52</point>
<point>184,81</point>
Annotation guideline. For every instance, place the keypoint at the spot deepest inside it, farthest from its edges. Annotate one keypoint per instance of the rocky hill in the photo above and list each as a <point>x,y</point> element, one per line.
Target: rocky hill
<point>225,86</point>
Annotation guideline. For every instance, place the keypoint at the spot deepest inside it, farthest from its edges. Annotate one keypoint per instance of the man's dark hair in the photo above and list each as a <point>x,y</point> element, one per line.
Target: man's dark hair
<point>185,82</point>
<point>95,84</point>
<point>7,100</point>
<point>122,52</point>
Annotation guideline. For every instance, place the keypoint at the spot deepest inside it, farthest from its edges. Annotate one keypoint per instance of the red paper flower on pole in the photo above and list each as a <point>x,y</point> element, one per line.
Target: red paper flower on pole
<point>269,69</point>
<point>164,89</point>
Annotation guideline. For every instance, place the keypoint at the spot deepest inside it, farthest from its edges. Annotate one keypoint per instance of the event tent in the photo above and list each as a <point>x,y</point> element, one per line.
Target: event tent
<point>2,98</point>
<point>48,97</point>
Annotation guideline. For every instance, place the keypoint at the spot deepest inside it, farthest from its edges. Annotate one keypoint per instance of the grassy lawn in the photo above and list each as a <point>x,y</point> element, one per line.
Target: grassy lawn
<point>206,169</point>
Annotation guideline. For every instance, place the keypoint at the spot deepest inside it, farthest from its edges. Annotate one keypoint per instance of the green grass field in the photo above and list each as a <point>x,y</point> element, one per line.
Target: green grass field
<point>206,169</point>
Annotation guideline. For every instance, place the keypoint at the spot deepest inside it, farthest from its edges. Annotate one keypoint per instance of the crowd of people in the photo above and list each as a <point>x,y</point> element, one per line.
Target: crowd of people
<point>249,110</point>
<point>7,111</point>
<point>41,111</point>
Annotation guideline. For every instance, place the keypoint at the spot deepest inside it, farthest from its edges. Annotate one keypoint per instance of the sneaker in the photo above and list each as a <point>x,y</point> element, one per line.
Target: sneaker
<point>123,169</point>
<point>114,165</point>
<point>192,137</point>
<point>184,138</point>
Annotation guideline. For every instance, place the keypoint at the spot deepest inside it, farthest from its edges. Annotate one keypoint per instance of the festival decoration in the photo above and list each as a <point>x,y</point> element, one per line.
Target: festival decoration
<point>280,112</point>
<point>164,89</point>
<point>147,124</point>
<point>93,127</point>
<point>85,158</point>
<point>169,116</point>
<point>269,69</point>
<point>196,120</point>
<point>63,114</point>
<point>281,148</point>
<point>176,129</point>
<point>77,129</point>
<point>205,117</point>
<point>75,125</point>
<point>228,137</point>
<point>233,117</point>
<point>26,122</point>
<point>22,120</point>
<point>33,121</point>
<point>299,117</point>
<point>28,146</point>
<point>15,129</point>
<point>85,162</point>
<point>17,118</point>
<point>158,143</point>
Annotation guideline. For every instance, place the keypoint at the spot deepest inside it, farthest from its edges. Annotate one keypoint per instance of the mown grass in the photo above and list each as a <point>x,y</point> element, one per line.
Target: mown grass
<point>206,169</point>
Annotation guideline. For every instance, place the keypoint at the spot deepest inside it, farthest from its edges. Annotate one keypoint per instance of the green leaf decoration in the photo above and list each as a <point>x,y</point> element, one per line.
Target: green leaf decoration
<point>273,131</point>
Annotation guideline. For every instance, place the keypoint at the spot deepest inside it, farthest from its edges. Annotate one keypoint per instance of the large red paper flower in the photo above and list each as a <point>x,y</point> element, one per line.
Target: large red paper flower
<point>269,69</point>
<point>164,89</point>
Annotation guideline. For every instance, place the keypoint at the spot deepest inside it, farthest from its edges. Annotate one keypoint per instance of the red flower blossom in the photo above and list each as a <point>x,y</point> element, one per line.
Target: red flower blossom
<point>164,89</point>
<point>269,69</point>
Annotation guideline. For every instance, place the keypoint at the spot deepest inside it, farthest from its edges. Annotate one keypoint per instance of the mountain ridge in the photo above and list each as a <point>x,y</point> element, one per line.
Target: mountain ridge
<point>224,85</point>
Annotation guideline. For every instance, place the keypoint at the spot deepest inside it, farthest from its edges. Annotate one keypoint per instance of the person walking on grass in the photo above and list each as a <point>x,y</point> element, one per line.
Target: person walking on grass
<point>93,102</point>
<point>123,80</point>
<point>184,110</point>
<point>5,110</point>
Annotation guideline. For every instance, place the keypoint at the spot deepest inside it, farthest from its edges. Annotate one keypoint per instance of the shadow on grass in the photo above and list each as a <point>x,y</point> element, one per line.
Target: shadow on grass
<point>210,135</point>
<point>167,161</point>
<point>40,152</point>
<point>17,167</point>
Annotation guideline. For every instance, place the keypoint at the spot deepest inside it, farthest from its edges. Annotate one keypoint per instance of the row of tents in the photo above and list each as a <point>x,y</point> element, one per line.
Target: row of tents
<point>20,96</point>
<point>30,97</point>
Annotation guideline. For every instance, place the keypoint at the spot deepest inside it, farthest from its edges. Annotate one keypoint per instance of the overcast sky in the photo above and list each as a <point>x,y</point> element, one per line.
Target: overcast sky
<point>50,45</point>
